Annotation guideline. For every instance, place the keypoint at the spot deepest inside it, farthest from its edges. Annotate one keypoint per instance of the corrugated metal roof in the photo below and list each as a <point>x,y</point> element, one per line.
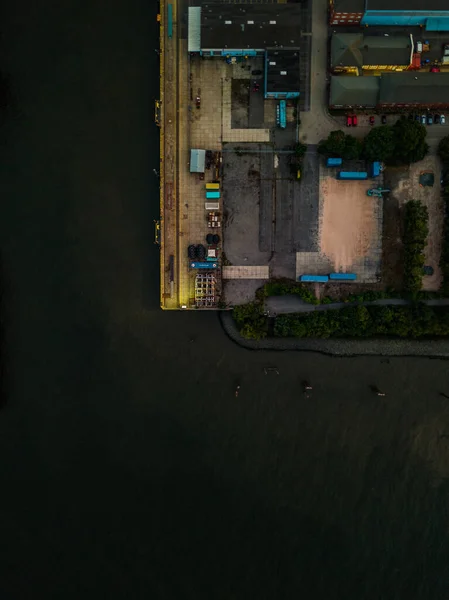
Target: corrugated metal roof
<point>437,24</point>
<point>357,50</point>
<point>354,91</point>
<point>194,34</point>
<point>197,160</point>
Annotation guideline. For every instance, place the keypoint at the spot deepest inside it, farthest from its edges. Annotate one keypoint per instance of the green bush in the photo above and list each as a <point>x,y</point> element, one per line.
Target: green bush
<point>444,258</point>
<point>284,287</point>
<point>250,320</point>
<point>415,239</point>
<point>412,320</point>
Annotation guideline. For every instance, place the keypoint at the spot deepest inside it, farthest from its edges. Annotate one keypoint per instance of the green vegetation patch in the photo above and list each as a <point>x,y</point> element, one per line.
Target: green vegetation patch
<point>416,230</point>
<point>251,320</point>
<point>410,321</point>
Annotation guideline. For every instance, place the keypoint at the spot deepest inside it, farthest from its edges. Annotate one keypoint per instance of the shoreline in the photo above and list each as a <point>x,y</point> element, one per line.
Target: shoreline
<point>339,347</point>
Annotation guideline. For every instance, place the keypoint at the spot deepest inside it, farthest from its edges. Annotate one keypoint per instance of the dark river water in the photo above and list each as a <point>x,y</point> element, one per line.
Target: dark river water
<point>128,467</point>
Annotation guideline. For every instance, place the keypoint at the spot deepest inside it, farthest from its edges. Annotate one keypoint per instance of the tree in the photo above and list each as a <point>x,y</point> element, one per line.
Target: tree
<point>415,239</point>
<point>379,143</point>
<point>339,144</point>
<point>300,150</point>
<point>352,149</point>
<point>334,144</point>
<point>443,149</point>
<point>410,142</point>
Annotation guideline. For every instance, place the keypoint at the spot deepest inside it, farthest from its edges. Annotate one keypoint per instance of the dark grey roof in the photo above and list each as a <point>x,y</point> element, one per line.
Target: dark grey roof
<point>283,75</point>
<point>250,26</point>
<point>354,91</point>
<point>414,88</point>
<point>356,50</point>
<point>408,5</point>
<point>349,6</point>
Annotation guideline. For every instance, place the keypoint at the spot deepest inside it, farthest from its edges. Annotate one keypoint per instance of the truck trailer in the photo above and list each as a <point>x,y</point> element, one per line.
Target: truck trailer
<point>352,175</point>
<point>334,162</point>
<point>314,278</point>
<point>342,276</point>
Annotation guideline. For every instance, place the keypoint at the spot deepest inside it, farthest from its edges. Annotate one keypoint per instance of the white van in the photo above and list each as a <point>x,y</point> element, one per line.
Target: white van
<point>212,206</point>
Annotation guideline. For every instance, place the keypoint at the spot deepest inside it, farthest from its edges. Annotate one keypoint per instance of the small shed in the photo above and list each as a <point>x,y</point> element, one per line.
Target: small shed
<point>197,160</point>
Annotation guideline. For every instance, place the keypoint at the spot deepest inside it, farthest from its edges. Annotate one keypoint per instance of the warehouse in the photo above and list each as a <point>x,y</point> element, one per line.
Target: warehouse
<point>239,30</point>
<point>354,92</point>
<point>409,90</point>
<point>391,90</point>
<point>233,32</point>
<point>282,73</point>
<point>433,15</point>
<point>356,53</point>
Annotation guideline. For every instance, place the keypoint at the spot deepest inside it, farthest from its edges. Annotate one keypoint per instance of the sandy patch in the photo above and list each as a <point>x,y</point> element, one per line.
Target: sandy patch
<point>347,221</point>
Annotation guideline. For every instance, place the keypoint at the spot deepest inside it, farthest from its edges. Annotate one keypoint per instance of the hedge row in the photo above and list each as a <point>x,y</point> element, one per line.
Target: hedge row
<point>416,230</point>
<point>412,321</point>
<point>444,259</point>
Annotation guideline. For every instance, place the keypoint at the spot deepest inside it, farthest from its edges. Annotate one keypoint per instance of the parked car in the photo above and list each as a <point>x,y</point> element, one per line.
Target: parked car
<point>442,120</point>
<point>418,47</point>
<point>445,49</point>
<point>256,86</point>
<point>384,119</point>
<point>371,120</point>
<point>418,118</point>
<point>348,120</point>
<point>354,120</point>
<point>423,119</point>
<point>435,69</point>
<point>436,119</point>
<point>429,120</point>
<point>256,72</point>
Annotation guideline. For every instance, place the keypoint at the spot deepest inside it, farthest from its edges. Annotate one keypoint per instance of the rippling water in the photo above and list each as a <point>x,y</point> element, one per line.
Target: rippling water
<point>129,469</point>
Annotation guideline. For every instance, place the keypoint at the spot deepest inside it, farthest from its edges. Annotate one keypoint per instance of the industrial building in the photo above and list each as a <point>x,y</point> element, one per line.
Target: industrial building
<point>282,73</point>
<point>391,90</point>
<point>236,31</point>
<point>356,53</point>
<point>432,15</point>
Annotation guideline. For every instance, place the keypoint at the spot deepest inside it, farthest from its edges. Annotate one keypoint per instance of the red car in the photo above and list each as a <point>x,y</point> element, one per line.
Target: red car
<point>348,120</point>
<point>354,120</point>
<point>371,120</point>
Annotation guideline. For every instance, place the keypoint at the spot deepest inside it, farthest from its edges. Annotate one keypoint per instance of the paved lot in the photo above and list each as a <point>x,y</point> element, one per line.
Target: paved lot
<point>245,188</point>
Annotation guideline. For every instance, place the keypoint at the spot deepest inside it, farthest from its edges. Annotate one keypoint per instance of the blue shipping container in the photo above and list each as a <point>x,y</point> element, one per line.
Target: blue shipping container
<point>375,169</point>
<point>334,162</point>
<point>316,278</point>
<point>170,20</point>
<point>212,195</point>
<point>203,265</point>
<point>283,114</point>
<point>343,276</point>
<point>353,175</point>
